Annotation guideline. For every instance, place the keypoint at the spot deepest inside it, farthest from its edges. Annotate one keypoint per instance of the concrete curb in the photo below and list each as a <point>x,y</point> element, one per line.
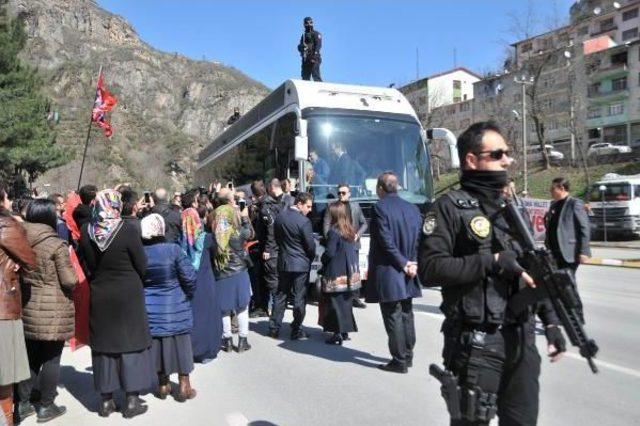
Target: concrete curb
<point>623,263</point>
<point>618,245</point>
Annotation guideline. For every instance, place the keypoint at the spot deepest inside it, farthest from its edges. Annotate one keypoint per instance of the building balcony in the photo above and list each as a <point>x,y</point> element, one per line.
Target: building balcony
<point>596,97</point>
<point>604,30</point>
<point>607,120</point>
<point>611,71</point>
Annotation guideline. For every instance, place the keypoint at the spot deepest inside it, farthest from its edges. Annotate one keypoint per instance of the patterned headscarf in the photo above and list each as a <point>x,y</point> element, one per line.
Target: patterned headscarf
<point>224,227</point>
<point>193,236</point>
<point>105,219</point>
<point>152,226</point>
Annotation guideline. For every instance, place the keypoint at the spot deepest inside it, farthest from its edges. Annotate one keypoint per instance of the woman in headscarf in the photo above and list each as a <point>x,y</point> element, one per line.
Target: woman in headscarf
<point>119,338</point>
<point>199,247</point>
<point>232,229</point>
<point>169,284</point>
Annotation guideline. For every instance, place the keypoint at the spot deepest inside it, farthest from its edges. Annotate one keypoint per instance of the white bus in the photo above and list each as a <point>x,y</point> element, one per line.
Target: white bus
<point>376,128</point>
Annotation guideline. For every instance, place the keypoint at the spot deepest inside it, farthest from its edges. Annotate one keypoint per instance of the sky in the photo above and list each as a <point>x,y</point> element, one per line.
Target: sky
<point>368,42</point>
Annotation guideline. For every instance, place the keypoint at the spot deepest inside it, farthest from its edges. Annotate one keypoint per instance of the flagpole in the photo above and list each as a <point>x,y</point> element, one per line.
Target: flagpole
<point>86,143</point>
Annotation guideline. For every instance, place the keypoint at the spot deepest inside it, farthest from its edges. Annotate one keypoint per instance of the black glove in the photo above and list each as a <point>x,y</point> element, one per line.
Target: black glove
<point>507,264</point>
<point>555,338</point>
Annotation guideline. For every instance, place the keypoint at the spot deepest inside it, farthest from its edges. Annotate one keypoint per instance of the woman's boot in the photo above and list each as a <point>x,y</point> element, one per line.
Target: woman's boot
<point>335,339</point>
<point>227,344</point>
<point>185,391</point>
<point>243,344</point>
<point>134,406</point>
<point>164,386</point>
<point>6,403</point>
<point>107,406</point>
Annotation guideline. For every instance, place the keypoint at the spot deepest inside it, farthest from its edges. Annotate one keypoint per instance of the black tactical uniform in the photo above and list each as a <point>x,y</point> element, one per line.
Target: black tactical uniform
<point>309,48</point>
<point>270,209</point>
<point>492,354</point>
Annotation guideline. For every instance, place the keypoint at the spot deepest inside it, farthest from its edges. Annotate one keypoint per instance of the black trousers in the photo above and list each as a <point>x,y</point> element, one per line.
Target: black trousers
<point>311,70</point>
<point>572,268</point>
<point>294,283</point>
<point>270,280</point>
<point>401,331</point>
<point>44,364</point>
<point>259,293</point>
<point>509,366</point>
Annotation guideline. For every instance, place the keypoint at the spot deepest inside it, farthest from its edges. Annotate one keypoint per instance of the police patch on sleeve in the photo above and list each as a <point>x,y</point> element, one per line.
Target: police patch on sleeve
<point>429,224</point>
<point>480,226</point>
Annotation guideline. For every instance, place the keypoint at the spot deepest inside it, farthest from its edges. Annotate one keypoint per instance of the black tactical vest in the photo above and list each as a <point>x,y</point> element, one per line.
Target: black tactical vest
<point>484,301</point>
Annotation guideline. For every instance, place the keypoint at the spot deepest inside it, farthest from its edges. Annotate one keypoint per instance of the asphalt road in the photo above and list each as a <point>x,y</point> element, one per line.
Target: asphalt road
<point>309,383</point>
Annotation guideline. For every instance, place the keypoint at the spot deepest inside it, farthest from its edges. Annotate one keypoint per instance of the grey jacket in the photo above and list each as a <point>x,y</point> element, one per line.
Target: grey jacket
<point>573,232</point>
<point>359,221</point>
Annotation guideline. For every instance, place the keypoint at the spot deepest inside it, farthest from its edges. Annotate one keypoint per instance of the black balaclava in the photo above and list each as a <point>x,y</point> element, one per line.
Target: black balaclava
<point>308,24</point>
<point>487,183</point>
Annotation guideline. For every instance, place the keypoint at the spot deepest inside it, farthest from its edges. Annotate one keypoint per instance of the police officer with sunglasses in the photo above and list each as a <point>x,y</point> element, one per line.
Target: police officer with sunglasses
<point>490,358</point>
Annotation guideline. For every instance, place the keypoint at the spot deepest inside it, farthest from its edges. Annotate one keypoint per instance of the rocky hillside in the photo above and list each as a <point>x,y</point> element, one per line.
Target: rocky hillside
<point>168,106</point>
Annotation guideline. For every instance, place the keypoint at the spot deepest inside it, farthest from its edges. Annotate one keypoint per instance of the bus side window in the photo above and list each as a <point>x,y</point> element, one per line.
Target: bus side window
<point>284,141</point>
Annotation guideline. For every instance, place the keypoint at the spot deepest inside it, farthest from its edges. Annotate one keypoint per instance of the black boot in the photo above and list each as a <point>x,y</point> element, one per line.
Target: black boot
<point>345,336</point>
<point>335,339</point>
<point>49,412</point>
<point>134,407</point>
<point>227,344</point>
<point>25,409</point>
<point>243,344</point>
<point>357,303</point>
<point>107,406</point>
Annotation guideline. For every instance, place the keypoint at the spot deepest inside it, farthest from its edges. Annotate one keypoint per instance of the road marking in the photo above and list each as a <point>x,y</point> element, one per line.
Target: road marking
<point>236,419</point>
<point>430,314</point>
<point>605,364</point>
<point>608,365</point>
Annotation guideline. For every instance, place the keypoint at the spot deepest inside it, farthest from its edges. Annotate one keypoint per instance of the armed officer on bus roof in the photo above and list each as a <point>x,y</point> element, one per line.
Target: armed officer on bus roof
<point>491,361</point>
<point>309,48</point>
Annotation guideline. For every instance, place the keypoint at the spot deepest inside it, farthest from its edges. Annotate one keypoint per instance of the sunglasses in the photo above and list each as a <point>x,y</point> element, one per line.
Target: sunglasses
<point>342,192</point>
<point>496,154</point>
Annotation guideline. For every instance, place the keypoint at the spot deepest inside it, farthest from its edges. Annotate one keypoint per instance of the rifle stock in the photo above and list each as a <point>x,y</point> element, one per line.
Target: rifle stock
<point>551,282</point>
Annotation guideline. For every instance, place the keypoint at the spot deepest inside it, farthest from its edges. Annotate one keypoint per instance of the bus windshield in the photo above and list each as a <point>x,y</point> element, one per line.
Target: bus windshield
<point>356,149</point>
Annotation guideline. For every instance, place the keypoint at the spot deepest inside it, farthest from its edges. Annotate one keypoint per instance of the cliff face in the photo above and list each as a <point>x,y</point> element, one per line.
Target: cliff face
<point>169,106</point>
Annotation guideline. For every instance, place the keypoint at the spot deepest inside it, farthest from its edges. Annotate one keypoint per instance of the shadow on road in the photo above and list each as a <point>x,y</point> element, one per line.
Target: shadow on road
<point>80,385</point>
<point>315,346</point>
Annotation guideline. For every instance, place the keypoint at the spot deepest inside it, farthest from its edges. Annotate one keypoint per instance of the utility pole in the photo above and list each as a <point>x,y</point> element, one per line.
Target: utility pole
<point>523,81</point>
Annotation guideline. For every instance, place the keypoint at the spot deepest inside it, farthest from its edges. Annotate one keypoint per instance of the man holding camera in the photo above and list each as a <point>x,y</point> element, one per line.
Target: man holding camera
<point>309,48</point>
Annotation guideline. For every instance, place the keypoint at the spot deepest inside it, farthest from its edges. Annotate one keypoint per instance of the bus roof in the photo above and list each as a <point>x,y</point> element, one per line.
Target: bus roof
<point>307,94</point>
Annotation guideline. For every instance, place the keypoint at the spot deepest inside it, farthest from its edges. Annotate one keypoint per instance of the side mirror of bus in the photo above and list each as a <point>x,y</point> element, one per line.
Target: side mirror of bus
<point>301,148</point>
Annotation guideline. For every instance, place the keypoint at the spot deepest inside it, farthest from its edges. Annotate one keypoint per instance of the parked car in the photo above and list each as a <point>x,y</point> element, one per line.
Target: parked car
<point>606,148</point>
<point>554,154</point>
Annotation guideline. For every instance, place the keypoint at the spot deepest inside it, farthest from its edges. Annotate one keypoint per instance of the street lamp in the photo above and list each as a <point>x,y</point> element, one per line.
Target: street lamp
<point>524,81</point>
<point>567,55</point>
<point>603,189</point>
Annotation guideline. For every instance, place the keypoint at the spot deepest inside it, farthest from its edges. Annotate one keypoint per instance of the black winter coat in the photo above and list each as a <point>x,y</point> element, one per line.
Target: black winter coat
<point>118,317</point>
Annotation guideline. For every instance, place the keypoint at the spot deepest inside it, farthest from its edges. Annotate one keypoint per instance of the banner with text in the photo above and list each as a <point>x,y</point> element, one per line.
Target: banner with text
<point>537,208</point>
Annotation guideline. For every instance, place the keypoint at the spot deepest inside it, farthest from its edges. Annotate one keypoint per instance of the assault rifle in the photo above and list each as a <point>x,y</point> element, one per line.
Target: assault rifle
<point>551,282</point>
<point>304,52</point>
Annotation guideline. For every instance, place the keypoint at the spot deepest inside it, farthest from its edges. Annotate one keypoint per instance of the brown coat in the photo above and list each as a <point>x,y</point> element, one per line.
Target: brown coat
<point>15,253</point>
<point>47,311</point>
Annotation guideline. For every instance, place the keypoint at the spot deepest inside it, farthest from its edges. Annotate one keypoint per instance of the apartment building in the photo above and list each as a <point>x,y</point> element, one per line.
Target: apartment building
<point>587,82</point>
<point>445,88</point>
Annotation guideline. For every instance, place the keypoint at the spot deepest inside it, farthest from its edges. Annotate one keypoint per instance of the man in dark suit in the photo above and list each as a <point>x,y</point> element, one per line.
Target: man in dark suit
<point>172,219</point>
<point>392,281</point>
<point>296,251</point>
<point>568,231</point>
<point>356,219</point>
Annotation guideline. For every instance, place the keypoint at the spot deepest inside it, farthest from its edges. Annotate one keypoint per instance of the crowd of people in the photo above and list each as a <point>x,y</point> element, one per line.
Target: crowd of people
<point>170,278</point>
